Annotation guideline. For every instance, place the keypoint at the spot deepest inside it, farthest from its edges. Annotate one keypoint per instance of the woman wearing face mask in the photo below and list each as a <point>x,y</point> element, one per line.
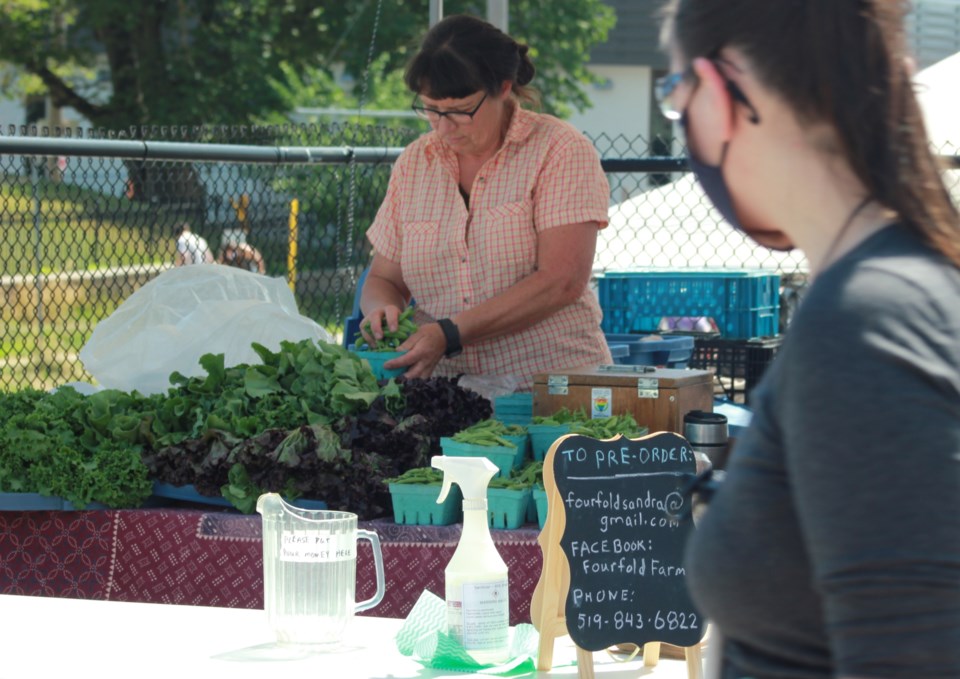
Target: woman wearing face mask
<point>490,220</point>
<point>832,549</point>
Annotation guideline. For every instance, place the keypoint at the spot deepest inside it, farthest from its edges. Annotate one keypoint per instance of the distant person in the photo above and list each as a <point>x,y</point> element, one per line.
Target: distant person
<point>191,248</point>
<point>242,255</point>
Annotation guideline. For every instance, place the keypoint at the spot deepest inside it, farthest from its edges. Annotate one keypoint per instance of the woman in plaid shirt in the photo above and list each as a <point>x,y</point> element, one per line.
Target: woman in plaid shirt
<point>490,220</point>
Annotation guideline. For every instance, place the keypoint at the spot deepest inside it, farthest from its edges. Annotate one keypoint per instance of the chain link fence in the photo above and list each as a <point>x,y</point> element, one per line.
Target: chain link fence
<point>87,217</point>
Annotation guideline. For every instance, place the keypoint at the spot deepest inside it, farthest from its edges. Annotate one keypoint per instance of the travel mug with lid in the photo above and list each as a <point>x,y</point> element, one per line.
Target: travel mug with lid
<point>707,434</point>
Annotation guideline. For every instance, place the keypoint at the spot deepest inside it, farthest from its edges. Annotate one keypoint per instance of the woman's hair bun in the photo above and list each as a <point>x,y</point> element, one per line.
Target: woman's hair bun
<point>526,69</point>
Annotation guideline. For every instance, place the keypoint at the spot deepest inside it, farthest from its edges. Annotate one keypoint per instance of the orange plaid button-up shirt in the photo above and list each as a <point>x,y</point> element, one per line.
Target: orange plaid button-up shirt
<point>545,174</point>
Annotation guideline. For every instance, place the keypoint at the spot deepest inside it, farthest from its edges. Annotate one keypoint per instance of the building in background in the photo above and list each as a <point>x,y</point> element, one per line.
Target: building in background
<point>628,62</point>
<point>934,30</point>
<point>624,107</point>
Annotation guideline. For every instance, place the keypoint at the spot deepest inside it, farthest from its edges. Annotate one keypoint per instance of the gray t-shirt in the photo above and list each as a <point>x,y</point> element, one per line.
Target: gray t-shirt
<point>832,548</point>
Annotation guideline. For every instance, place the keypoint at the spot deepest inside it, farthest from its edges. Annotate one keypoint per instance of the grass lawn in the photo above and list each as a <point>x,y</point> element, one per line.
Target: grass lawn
<point>57,228</point>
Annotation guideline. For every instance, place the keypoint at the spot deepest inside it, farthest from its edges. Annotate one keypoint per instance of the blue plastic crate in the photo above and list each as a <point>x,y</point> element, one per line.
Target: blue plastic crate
<point>351,324</point>
<point>619,352</point>
<point>188,493</point>
<point>744,303</point>
<point>351,330</point>
<point>665,351</point>
<point>30,502</point>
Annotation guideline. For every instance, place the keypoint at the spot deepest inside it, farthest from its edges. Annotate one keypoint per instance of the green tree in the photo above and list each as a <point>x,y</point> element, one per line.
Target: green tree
<point>193,62</point>
<point>129,64</point>
<point>560,35</point>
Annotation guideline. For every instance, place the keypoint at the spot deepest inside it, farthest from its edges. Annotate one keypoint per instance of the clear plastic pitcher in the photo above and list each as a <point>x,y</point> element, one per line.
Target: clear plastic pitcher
<point>310,571</point>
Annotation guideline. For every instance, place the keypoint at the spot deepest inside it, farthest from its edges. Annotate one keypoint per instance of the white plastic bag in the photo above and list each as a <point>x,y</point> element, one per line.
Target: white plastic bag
<point>491,386</point>
<point>188,311</point>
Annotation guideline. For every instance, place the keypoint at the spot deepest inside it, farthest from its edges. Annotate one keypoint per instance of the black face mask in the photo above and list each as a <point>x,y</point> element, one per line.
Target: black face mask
<point>716,189</point>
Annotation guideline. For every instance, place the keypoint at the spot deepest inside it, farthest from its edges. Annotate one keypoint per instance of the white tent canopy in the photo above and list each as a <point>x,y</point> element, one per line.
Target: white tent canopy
<point>938,89</point>
<point>675,226</point>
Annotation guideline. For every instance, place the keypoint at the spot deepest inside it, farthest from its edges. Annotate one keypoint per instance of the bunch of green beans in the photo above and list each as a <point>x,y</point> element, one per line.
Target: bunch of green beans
<point>426,476</point>
<point>529,476</point>
<point>486,433</point>
<point>608,427</point>
<point>562,416</point>
<point>391,338</point>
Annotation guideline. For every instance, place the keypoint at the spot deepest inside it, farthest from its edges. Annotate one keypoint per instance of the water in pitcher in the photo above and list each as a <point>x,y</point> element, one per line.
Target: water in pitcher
<point>309,572</point>
<point>313,600</point>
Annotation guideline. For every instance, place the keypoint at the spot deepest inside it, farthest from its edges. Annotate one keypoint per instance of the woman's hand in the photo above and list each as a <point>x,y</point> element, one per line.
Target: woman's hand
<point>372,326</point>
<point>423,350</point>
<point>383,297</point>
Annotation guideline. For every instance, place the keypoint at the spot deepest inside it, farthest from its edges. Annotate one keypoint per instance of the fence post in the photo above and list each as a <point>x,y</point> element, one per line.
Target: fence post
<point>292,246</point>
<point>33,177</point>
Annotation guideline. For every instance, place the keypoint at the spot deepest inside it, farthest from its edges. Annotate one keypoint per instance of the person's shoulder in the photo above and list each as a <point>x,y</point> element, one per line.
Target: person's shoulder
<point>544,124</point>
<point>895,259</point>
<point>891,280</point>
<point>419,151</point>
<point>418,147</point>
<point>556,133</point>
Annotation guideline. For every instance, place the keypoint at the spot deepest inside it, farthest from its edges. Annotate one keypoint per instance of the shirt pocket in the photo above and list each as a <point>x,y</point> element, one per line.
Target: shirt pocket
<point>508,243</point>
<point>419,254</point>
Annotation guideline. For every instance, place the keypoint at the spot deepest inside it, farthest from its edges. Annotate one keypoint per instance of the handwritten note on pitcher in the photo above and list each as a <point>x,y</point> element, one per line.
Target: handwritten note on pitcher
<point>623,539</point>
<point>313,546</point>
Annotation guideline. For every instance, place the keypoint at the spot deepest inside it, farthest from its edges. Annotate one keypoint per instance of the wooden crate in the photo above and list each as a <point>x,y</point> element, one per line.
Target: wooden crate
<point>656,397</point>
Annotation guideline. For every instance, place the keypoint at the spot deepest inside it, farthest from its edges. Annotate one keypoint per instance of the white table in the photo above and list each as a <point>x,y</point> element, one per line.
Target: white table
<point>60,638</point>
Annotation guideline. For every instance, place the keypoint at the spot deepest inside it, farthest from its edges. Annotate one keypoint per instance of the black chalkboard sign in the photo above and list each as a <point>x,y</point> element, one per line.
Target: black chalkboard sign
<point>623,541</point>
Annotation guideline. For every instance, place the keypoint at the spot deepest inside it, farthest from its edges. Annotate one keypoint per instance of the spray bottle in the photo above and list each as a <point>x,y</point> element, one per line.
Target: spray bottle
<point>477,589</point>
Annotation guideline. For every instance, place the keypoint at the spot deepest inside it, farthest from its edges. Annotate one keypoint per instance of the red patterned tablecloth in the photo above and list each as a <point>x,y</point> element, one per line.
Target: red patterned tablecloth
<point>189,556</point>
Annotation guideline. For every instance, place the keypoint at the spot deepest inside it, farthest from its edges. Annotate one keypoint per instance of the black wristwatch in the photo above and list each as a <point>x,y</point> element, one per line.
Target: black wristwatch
<point>451,334</point>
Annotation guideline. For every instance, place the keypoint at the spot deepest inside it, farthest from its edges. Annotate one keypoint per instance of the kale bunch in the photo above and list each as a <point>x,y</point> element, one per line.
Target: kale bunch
<point>81,448</point>
<point>200,462</point>
<point>448,406</point>
<point>405,424</point>
<point>306,462</point>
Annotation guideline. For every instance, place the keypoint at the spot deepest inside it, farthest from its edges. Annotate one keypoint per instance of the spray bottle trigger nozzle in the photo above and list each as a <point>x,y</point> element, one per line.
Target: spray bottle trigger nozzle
<point>444,489</point>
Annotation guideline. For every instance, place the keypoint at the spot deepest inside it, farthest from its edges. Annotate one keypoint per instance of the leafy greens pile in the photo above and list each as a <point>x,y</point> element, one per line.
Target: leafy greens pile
<point>311,421</point>
<point>407,424</point>
<point>82,448</point>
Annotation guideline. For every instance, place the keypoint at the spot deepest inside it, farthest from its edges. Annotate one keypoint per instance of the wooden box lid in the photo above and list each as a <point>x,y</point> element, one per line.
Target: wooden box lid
<point>626,376</point>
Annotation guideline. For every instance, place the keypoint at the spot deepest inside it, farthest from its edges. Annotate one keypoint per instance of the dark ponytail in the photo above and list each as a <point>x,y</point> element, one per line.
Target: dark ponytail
<point>463,54</point>
<point>844,62</point>
<point>526,70</point>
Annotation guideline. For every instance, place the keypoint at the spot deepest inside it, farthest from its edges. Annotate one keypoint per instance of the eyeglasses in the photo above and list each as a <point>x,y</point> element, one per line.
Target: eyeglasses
<point>665,86</point>
<point>456,117</point>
